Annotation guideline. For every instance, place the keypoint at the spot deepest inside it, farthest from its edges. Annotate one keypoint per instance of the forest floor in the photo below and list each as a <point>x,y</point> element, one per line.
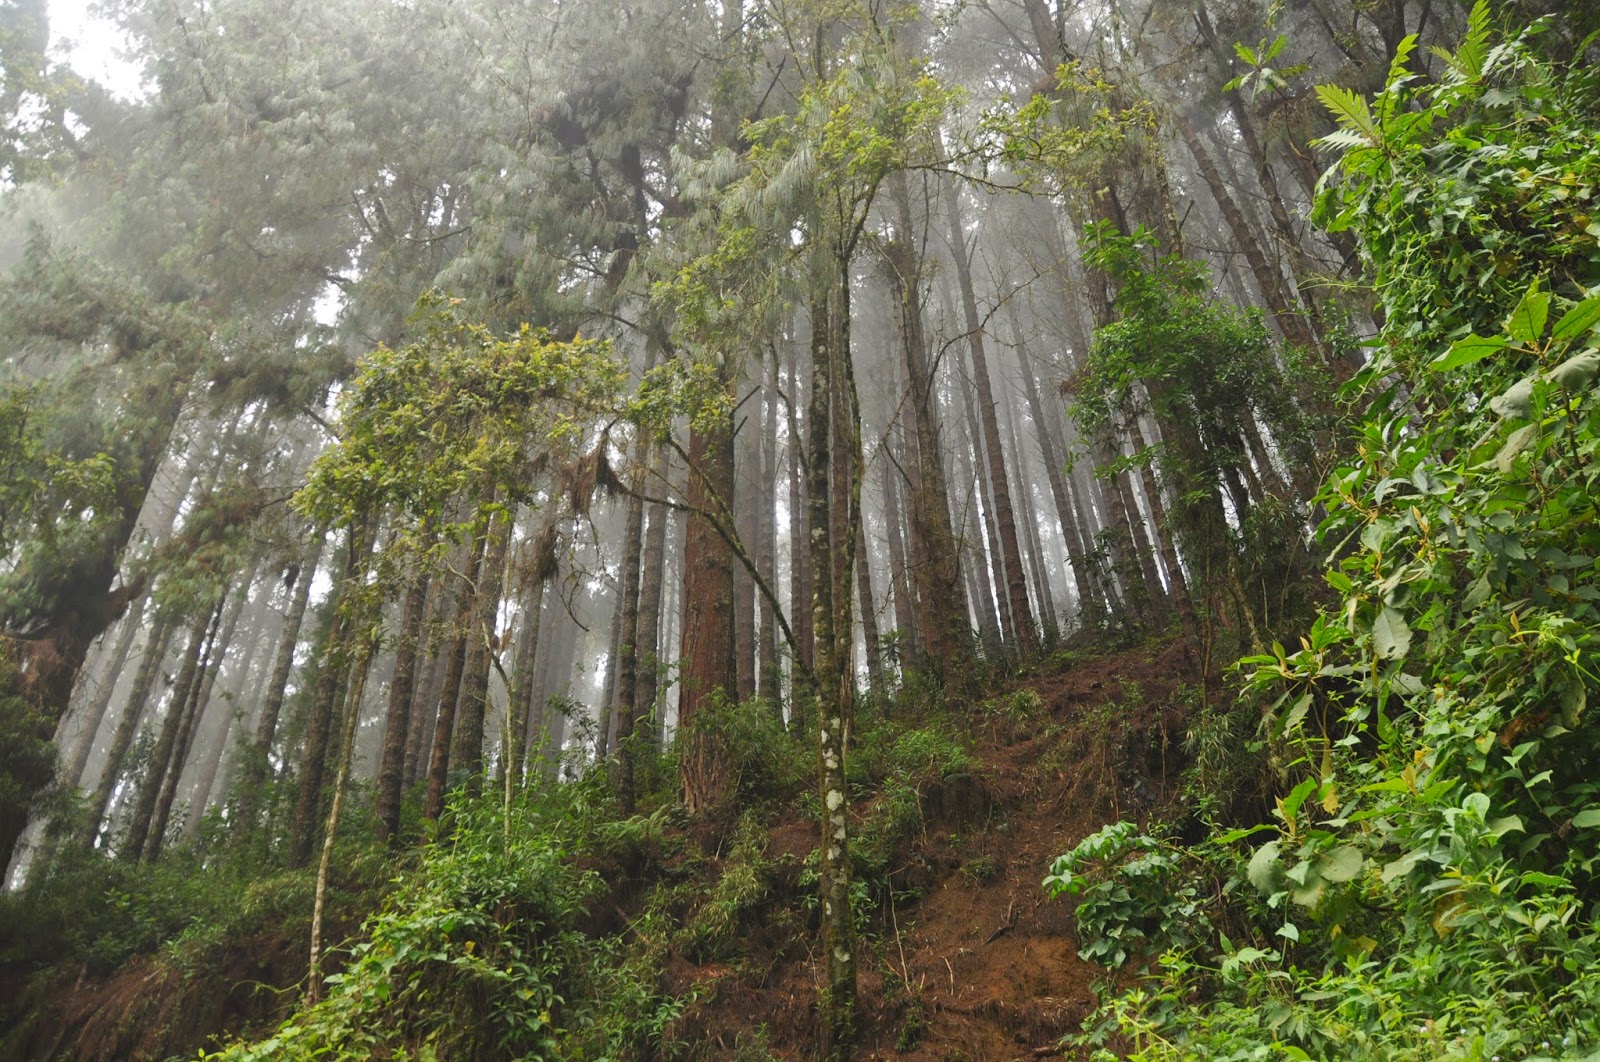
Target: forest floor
<point>970,962</point>
<point>977,964</point>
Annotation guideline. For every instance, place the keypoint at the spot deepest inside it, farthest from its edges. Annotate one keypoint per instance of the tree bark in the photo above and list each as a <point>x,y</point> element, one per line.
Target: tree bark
<point>709,649</point>
<point>183,697</point>
<point>155,652</point>
<point>397,716</point>
<point>259,753</point>
<point>449,694</point>
<point>467,754</point>
<point>332,672</point>
<point>1005,517</point>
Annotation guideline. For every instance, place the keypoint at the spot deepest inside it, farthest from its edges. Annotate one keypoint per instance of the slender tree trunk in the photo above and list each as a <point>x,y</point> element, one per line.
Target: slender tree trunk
<point>444,723</point>
<point>352,715</point>
<point>210,664</point>
<point>869,611</point>
<point>95,712</point>
<point>155,652</point>
<point>467,754</point>
<point>648,643</point>
<point>332,673</point>
<point>934,563</point>
<point>747,465</point>
<point>523,691</point>
<point>397,717</point>
<point>1077,565</point>
<point>257,758</point>
<point>1030,523</point>
<point>1268,279</point>
<point>1005,517</point>
<point>183,697</point>
<point>425,709</point>
<point>238,678</point>
<point>899,578</point>
<point>627,649</point>
<point>766,548</point>
<point>799,555</point>
<point>988,565</point>
<point>833,689</point>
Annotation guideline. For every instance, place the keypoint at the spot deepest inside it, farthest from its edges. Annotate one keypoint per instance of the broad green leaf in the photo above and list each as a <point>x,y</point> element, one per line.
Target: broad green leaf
<point>1506,458</point>
<point>1391,636</point>
<point>1517,401</point>
<point>1290,805</point>
<point>1506,824</point>
<point>1310,894</point>
<point>1527,321</point>
<point>1401,867</point>
<point>1585,818</point>
<point>1577,320</point>
<point>1466,351</point>
<point>1340,864</point>
<point>1264,872</point>
<point>1577,372</point>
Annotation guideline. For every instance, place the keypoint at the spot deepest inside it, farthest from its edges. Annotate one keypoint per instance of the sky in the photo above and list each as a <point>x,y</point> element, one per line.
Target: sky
<point>91,46</point>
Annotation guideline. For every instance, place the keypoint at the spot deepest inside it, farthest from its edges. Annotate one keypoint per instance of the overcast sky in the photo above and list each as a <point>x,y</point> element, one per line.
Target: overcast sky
<point>90,45</point>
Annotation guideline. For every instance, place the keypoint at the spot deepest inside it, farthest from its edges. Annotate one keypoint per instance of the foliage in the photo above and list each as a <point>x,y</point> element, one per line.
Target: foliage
<point>1212,379</point>
<point>482,953</point>
<point>1430,889</point>
<point>1132,899</point>
<point>454,412</point>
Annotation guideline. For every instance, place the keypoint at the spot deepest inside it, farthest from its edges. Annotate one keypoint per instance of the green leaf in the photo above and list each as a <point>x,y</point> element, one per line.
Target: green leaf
<point>1527,321</point>
<point>1506,824</point>
<point>1340,864</point>
<point>1391,636</point>
<point>1585,818</point>
<point>1468,350</point>
<point>1577,320</point>
<point>1263,871</point>
<point>1505,459</point>
<point>1350,109</point>
<point>1577,372</point>
<point>1517,401</point>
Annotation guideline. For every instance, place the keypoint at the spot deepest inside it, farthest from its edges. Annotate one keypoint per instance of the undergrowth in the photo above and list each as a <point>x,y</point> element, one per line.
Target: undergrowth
<point>1425,883</point>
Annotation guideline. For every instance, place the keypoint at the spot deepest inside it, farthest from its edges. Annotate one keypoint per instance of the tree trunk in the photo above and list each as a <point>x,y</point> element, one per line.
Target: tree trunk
<point>767,666</point>
<point>450,693</point>
<point>397,717</point>
<point>352,715</point>
<point>934,563</point>
<point>832,687</point>
<point>95,712</point>
<point>623,706</point>
<point>869,612</point>
<point>1005,517</point>
<point>1076,564</point>
<point>257,758</point>
<point>210,664</point>
<point>332,672</point>
<point>708,656</point>
<point>648,643</point>
<point>238,678</point>
<point>467,754</point>
<point>1268,279</point>
<point>183,697</point>
<point>155,652</point>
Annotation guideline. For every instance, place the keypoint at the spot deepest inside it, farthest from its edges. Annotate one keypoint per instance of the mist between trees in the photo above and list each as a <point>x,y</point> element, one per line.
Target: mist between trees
<point>405,398</point>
